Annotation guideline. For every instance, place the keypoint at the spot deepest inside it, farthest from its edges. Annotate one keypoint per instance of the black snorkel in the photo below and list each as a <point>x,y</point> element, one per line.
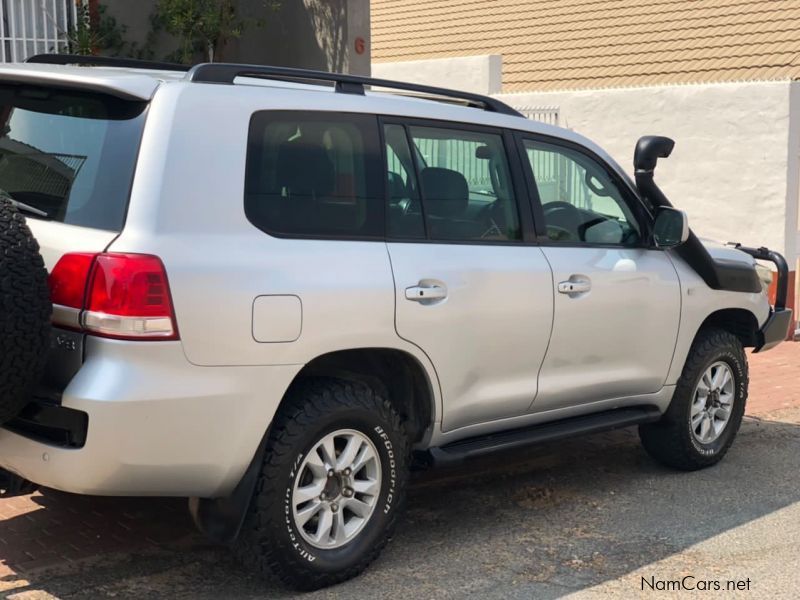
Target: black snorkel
<point>718,274</point>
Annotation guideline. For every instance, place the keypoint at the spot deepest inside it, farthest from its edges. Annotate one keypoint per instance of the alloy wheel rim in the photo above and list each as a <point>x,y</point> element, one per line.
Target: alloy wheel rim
<point>712,403</point>
<point>336,489</point>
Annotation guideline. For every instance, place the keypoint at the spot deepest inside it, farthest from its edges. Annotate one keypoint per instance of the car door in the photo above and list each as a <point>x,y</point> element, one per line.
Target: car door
<point>473,290</point>
<point>617,298</point>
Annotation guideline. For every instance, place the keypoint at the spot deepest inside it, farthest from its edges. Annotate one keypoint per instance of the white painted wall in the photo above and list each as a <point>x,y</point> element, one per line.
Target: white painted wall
<point>477,74</point>
<point>733,168</point>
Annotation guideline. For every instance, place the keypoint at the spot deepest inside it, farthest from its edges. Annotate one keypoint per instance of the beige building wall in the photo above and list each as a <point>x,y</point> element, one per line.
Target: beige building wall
<point>478,74</point>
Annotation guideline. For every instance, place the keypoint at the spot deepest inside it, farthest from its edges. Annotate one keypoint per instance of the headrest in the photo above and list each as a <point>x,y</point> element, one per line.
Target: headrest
<point>446,192</point>
<point>397,188</point>
<point>305,168</point>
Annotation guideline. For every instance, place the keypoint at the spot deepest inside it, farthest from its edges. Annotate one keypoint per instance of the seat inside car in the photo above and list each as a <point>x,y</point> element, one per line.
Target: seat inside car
<point>312,191</point>
<point>446,201</point>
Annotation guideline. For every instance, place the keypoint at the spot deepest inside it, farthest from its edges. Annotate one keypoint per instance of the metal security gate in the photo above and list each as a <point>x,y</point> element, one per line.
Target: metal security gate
<point>544,114</point>
<point>29,27</point>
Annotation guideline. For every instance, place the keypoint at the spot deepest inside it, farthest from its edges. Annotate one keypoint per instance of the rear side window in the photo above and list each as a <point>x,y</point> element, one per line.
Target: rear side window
<point>315,175</point>
<point>70,155</point>
<point>450,184</point>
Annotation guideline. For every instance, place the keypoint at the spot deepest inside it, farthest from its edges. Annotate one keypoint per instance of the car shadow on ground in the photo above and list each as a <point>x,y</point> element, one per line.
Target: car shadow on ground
<point>562,518</point>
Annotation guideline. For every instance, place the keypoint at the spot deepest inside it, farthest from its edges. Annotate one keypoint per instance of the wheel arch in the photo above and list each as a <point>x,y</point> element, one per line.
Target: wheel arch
<point>738,321</point>
<point>398,375</point>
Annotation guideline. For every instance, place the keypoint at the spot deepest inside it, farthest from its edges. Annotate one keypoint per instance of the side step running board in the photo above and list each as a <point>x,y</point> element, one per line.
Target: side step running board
<point>547,432</point>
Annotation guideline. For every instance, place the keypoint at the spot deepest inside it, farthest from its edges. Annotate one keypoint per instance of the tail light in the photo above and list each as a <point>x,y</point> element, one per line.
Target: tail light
<point>123,296</point>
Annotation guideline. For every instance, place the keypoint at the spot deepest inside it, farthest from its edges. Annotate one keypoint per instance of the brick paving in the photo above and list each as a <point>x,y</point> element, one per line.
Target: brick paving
<point>50,529</point>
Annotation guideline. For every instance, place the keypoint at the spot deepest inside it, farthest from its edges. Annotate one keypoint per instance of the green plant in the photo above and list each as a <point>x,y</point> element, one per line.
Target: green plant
<point>91,36</point>
<point>205,26</point>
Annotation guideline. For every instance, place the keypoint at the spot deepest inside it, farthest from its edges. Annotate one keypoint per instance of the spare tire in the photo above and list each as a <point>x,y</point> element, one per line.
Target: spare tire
<point>25,311</point>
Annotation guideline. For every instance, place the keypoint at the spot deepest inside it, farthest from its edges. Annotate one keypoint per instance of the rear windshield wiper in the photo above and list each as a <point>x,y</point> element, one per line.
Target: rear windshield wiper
<point>22,207</point>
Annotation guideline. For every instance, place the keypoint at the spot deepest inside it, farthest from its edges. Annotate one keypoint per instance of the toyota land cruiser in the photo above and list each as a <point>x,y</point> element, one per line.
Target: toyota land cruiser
<point>271,296</point>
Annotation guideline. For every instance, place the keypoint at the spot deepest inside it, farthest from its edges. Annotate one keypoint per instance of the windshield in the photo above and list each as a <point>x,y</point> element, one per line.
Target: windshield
<point>69,155</point>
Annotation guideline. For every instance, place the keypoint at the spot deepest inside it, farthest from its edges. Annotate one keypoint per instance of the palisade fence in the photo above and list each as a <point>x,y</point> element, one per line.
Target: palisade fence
<point>544,114</point>
<point>558,177</point>
<point>29,27</point>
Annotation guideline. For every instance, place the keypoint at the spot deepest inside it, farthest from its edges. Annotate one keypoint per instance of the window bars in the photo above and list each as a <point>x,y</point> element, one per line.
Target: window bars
<point>29,27</point>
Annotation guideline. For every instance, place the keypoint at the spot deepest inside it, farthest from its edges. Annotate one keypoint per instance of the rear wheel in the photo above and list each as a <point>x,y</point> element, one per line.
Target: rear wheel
<point>707,408</point>
<point>331,487</point>
<point>24,312</point>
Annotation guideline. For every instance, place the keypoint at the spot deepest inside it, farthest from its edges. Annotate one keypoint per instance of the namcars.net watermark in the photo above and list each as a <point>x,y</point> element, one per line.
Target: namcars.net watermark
<point>691,583</point>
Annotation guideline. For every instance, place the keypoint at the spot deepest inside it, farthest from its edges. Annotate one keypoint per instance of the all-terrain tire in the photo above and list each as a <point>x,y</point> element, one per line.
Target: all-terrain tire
<point>671,440</point>
<point>270,542</point>
<point>24,312</point>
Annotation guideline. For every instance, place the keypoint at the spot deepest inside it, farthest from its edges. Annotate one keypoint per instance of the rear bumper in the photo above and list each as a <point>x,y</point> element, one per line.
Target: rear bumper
<point>157,425</point>
<point>52,424</point>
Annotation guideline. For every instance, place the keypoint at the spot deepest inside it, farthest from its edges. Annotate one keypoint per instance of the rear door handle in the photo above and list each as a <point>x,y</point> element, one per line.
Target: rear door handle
<point>574,287</point>
<point>420,293</point>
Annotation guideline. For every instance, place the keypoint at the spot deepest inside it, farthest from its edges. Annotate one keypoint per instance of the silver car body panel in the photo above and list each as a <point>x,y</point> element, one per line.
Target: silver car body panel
<point>158,425</point>
<point>616,339</point>
<point>489,334</point>
<point>185,418</point>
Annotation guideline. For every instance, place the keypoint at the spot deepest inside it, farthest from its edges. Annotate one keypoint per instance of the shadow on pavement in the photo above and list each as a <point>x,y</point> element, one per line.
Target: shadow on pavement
<point>566,517</point>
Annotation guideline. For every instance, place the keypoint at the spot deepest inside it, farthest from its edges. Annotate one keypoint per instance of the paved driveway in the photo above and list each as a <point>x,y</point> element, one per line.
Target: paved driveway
<point>590,517</point>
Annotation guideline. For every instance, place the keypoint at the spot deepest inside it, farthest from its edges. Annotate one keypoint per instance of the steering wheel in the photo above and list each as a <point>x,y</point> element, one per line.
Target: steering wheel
<point>563,218</point>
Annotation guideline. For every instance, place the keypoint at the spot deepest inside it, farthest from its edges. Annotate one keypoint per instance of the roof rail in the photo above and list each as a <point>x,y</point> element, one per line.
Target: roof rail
<point>344,83</point>
<point>103,61</point>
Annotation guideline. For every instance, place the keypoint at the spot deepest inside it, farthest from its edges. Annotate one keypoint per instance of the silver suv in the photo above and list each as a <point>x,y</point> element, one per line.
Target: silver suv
<point>275,291</point>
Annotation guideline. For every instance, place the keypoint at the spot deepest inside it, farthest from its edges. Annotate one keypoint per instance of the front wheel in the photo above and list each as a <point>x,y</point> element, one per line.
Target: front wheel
<point>331,487</point>
<point>707,408</point>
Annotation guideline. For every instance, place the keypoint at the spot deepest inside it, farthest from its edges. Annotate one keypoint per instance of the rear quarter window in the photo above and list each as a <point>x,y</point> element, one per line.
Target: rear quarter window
<point>315,175</point>
<point>69,154</point>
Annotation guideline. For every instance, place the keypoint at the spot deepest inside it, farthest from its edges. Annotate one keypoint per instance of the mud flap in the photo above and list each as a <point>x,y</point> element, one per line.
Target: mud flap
<point>221,519</point>
<point>12,485</point>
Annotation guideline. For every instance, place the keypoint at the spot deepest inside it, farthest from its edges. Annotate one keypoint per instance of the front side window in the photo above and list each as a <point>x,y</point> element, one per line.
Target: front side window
<point>449,185</point>
<point>314,174</point>
<point>581,203</point>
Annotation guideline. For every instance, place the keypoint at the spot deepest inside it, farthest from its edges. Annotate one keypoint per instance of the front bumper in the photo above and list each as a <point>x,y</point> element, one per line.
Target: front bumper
<point>157,424</point>
<point>776,328</point>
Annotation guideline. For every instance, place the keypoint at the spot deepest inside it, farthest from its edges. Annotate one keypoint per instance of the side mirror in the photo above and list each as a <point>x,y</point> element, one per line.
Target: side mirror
<point>671,227</point>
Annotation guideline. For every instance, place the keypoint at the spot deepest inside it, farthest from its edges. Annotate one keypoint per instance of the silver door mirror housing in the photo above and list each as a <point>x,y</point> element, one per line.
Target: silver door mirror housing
<point>671,227</point>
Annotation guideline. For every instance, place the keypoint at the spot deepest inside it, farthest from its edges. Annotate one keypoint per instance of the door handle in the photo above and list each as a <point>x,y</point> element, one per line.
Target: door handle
<point>580,286</point>
<point>420,293</point>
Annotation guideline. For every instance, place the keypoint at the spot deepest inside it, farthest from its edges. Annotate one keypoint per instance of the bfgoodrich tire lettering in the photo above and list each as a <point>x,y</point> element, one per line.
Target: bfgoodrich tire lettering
<point>24,312</point>
<point>673,440</point>
<point>270,541</point>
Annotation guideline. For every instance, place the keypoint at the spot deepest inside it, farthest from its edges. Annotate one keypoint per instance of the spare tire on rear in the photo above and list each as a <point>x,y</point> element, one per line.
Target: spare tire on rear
<point>25,311</point>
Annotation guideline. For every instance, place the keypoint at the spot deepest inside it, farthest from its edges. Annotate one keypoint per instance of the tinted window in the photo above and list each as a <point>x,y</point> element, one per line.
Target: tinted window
<point>405,210</point>
<point>581,202</point>
<point>464,185</point>
<point>69,155</point>
<point>314,175</point>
